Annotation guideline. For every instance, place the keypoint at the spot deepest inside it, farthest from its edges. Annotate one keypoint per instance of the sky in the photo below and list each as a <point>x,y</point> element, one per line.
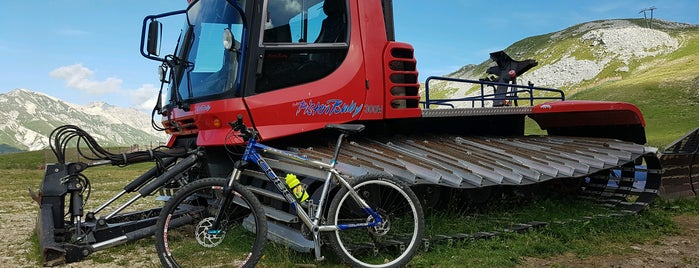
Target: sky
<point>85,51</point>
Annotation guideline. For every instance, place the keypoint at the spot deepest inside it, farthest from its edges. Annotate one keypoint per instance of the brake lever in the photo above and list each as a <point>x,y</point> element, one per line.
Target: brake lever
<point>238,124</point>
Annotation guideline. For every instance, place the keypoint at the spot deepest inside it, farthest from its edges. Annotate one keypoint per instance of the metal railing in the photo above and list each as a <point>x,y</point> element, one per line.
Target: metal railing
<point>512,93</point>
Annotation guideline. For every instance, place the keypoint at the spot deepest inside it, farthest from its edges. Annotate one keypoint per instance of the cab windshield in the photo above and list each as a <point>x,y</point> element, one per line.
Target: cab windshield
<point>206,68</point>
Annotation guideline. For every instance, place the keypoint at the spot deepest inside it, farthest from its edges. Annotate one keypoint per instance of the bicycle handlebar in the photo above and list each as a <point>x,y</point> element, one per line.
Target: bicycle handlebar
<point>245,132</point>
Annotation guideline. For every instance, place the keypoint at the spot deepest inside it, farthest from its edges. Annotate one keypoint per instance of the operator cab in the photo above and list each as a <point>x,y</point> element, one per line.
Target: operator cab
<point>301,45</point>
<point>225,50</point>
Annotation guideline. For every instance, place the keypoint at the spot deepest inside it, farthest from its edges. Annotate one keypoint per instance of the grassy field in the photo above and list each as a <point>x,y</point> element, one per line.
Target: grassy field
<point>582,237</point>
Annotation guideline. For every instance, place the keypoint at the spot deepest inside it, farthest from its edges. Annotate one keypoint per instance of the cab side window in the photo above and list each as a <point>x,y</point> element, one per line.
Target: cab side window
<point>303,41</point>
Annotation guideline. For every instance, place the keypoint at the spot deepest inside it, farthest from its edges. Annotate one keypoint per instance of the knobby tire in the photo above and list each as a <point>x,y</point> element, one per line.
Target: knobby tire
<point>394,242</point>
<point>181,237</point>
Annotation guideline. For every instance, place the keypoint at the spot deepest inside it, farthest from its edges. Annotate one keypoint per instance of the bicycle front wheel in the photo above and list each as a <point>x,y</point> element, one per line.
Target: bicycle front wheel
<point>394,241</point>
<point>183,237</point>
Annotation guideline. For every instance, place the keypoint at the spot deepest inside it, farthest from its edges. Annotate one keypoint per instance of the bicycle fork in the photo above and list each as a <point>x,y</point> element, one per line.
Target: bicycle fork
<point>227,198</point>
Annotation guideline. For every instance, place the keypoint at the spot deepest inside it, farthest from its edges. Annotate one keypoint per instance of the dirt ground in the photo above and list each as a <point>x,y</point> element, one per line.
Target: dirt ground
<point>681,250</point>
<point>17,221</point>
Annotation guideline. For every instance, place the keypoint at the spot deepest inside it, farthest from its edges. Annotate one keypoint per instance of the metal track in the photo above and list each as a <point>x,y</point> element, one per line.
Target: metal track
<point>607,167</point>
<point>468,162</point>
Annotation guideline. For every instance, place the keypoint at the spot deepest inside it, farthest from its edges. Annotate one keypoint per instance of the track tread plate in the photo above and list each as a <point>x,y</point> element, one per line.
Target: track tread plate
<point>473,162</point>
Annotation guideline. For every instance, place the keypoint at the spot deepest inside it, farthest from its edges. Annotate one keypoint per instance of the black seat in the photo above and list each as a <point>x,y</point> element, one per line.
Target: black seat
<point>334,27</point>
<point>346,128</point>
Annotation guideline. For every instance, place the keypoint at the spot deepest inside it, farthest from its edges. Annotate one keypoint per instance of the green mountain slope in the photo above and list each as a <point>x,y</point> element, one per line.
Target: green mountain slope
<point>667,92</point>
<point>616,60</point>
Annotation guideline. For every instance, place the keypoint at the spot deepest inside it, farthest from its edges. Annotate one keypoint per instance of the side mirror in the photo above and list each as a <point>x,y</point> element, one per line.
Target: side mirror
<point>154,35</point>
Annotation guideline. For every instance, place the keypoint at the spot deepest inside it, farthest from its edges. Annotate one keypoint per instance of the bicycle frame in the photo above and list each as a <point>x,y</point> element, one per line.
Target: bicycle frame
<point>252,155</point>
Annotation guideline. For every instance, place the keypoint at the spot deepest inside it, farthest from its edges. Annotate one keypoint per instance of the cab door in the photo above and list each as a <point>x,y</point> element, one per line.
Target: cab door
<point>309,67</point>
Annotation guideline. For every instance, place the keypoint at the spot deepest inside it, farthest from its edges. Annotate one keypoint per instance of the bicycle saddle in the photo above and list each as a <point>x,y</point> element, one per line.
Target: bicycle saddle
<point>346,128</point>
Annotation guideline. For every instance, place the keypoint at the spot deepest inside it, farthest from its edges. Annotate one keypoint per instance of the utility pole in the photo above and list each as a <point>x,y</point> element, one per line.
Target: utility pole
<point>649,23</point>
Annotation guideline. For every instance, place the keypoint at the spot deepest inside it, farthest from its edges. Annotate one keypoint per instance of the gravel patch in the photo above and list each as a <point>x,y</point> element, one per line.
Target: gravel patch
<point>566,71</point>
<point>610,41</point>
<point>630,42</point>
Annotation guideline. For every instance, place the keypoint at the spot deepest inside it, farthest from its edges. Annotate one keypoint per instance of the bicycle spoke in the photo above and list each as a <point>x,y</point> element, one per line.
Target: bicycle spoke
<point>393,240</point>
<point>184,237</point>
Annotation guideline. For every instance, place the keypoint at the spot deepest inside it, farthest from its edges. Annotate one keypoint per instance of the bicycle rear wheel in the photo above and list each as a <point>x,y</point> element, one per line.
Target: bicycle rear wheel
<point>392,242</point>
<point>181,237</point>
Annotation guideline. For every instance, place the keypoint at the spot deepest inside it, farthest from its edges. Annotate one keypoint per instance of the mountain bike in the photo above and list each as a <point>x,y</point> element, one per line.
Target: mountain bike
<point>373,220</point>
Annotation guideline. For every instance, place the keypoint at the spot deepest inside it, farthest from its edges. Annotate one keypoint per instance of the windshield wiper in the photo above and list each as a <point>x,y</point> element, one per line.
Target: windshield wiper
<point>179,65</point>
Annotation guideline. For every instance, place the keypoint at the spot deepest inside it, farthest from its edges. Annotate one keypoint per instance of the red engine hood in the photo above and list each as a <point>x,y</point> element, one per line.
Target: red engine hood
<point>586,113</point>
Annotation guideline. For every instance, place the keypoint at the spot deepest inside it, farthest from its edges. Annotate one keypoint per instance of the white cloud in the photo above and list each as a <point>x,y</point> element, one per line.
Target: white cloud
<point>145,97</point>
<point>80,78</point>
<point>293,6</point>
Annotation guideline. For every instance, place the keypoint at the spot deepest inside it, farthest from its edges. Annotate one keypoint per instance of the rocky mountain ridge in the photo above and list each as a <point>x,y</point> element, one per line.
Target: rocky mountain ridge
<point>27,119</point>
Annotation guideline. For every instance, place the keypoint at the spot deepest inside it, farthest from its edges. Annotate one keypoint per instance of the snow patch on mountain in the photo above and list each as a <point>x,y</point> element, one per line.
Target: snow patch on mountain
<point>34,140</point>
